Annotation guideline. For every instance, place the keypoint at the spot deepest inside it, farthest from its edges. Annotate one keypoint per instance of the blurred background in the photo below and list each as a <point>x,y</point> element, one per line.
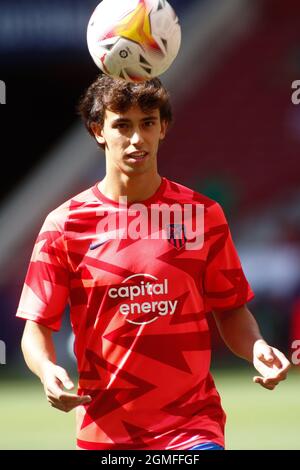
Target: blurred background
<point>236,138</point>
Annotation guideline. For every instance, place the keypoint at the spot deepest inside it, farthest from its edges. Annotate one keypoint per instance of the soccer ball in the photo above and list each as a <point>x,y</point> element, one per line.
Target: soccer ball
<point>134,39</point>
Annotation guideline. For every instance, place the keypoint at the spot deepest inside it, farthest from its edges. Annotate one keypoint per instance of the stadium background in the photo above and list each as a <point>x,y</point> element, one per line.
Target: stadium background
<point>236,138</point>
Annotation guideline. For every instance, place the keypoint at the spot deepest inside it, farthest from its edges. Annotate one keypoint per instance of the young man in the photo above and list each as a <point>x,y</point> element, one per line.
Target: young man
<point>139,293</point>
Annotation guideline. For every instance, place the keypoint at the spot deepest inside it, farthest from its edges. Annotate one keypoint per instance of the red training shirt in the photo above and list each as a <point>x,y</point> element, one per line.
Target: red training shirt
<point>138,311</point>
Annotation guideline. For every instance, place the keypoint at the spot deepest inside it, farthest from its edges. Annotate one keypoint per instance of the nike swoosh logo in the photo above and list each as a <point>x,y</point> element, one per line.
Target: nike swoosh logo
<point>93,246</point>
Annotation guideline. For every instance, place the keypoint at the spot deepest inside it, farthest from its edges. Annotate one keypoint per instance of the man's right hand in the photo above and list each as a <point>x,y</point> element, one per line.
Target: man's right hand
<point>55,379</point>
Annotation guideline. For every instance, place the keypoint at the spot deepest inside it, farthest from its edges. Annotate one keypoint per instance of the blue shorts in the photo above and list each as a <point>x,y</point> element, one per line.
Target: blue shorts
<point>207,446</point>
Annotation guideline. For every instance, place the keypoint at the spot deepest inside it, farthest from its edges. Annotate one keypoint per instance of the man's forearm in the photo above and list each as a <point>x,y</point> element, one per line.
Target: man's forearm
<point>39,353</point>
<point>38,347</point>
<point>239,331</point>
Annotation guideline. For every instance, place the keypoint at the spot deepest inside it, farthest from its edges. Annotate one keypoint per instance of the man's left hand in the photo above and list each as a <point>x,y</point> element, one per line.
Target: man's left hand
<point>270,363</point>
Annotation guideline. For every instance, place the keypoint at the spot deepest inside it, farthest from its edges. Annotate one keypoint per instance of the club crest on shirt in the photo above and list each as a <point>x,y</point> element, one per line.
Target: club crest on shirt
<point>176,235</point>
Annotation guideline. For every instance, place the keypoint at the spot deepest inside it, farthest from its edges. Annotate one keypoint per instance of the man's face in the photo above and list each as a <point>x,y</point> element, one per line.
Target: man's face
<point>131,140</point>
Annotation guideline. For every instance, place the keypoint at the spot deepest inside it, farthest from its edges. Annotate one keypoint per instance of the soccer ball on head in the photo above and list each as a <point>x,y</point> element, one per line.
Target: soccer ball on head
<point>134,39</point>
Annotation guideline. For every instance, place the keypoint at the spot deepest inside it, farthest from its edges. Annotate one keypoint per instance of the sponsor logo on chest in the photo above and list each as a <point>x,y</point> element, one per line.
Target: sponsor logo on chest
<point>145,298</point>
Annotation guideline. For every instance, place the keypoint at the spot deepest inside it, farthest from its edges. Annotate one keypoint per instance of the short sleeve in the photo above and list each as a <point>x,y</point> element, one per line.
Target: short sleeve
<point>225,285</point>
<point>46,288</point>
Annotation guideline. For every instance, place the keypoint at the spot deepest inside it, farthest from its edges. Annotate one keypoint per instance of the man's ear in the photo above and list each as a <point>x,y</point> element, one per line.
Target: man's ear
<point>164,128</point>
<point>97,130</point>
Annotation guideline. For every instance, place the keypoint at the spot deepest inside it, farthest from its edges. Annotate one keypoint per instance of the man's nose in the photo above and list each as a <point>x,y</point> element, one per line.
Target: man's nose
<point>136,138</point>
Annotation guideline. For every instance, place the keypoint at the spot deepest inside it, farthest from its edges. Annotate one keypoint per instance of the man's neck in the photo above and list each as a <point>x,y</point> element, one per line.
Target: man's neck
<point>137,188</point>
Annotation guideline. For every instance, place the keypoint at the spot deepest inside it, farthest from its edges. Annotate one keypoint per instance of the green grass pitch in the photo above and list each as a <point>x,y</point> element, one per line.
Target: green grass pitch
<point>256,418</point>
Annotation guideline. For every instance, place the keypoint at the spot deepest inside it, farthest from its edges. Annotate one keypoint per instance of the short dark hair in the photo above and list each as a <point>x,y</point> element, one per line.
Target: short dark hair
<point>117,95</point>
